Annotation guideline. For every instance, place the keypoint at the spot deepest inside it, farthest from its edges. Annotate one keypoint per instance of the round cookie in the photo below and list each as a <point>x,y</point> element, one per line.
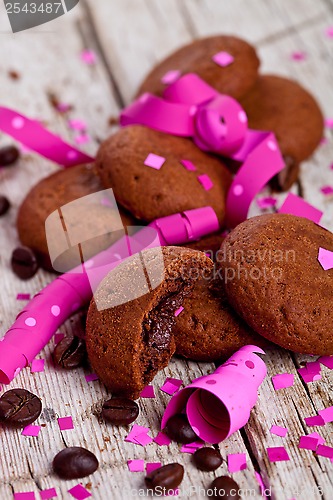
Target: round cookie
<point>275,282</point>
<point>287,109</point>
<point>129,335</point>
<point>149,193</point>
<point>50,194</point>
<point>208,329</point>
<point>235,79</point>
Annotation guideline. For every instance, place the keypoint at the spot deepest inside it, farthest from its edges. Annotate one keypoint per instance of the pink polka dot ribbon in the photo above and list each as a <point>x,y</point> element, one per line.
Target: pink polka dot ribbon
<point>217,123</point>
<point>36,137</point>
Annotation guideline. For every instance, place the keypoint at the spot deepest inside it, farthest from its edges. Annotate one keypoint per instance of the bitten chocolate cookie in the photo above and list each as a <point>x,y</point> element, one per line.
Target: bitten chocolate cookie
<point>149,193</point>
<point>208,329</point>
<point>50,194</point>
<point>284,107</point>
<point>234,79</point>
<point>275,282</point>
<point>129,323</point>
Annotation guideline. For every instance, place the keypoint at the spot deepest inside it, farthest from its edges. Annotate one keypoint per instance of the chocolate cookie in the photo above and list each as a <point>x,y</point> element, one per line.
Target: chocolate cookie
<point>234,79</point>
<point>50,194</point>
<point>284,107</point>
<point>275,282</point>
<point>149,193</point>
<point>129,323</point>
<point>208,329</point>
<point>209,244</point>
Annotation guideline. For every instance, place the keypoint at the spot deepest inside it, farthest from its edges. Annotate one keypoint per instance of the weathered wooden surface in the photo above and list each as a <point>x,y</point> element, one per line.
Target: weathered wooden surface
<point>129,36</point>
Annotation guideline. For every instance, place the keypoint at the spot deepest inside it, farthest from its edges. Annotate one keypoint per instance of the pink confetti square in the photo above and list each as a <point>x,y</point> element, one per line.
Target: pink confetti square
<point>188,165</point>
<point>308,443</point>
<point>325,451</point>
<point>23,296</point>
<point>79,492</point>
<point>327,190</point>
<point>150,466</point>
<point>317,420</point>
<point>279,431</point>
<point>236,462</point>
<point>171,386</point>
<point>77,124</point>
<point>266,202</point>
<point>298,56</point>
<point>148,392</point>
<point>82,139</point>
<point>136,431</point>
<point>308,376</point>
<point>326,361</point>
<point>261,483</point>
<point>37,365</point>
<point>223,59</point>
<point>154,161</point>
<point>28,495</point>
<point>295,205</point>
<point>278,454</point>
<point>178,311</point>
<point>191,447</point>
<point>88,56</point>
<point>283,380</point>
<point>47,494</point>
<point>329,122</point>
<point>162,439</point>
<point>205,181</point>
<point>327,414</point>
<point>65,423</point>
<point>170,76</point>
<point>91,377</point>
<point>136,465</point>
<point>31,430</point>
<point>63,107</point>
<point>143,439</point>
<point>321,440</point>
<point>325,259</point>
<point>329,32</point>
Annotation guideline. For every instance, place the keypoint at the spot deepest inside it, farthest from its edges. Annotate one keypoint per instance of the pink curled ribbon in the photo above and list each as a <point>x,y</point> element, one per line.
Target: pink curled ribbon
<point>36,137</point>
<point>218,124</point>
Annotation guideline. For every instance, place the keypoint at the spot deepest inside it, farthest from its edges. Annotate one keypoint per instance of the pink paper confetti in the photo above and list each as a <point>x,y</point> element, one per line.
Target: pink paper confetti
<point>223,59</point>
<point>154,161</point>
<point>148,392</point>
<point>320,439</point>
<point>266,202</point>
<point>79,492</point>
<point>308,376</point>
<point>136,465</point>
<point>27,495</point>
<point>295,205</point>
<point>327,414</point>
<point>162,439</point>
<point>91,377</point>
<point>205,181</point>
<point>191,447</point>
<point>143,439</point>
<point>308,443</point>
<point>88,56</point>
<point>82,139</point>
<point>31,430</point>
<point>298,56</point>
<point>178,311</point>
<point>63,107</point>
<point>170,76</point>
<point>236,462</point>
<point>150,466</point>
<point>77,124</point>
<point>279,431</point>
<point>37,365</point>
<point>188,165</point>
<point>278,454</point>
<point>325,258</point>
<point>329,122</point>
<point>47,494</point>
<point>171,386</point>
<point>325,451</point>
<point>317,420</point>
<point>23,296</point>
<point>136,430</point>
<point>326,190</point>
<point>58,337</point>
<point>65,423</point>
<point>283,380</point>
<point>261,484</point>
<point>326,361</point>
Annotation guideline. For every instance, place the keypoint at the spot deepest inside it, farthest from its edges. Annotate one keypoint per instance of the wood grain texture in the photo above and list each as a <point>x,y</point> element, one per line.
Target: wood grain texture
<point>129,36</point>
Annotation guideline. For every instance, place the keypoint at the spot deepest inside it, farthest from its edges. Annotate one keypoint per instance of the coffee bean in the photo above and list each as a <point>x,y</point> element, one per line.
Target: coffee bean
<point>74,462</point>
<point>8,155</point>
<point>169,477</point>
<point>178,429</point>
<point>120,411</point>
<point>19,407</point>
<point>70,352</point>
<point>4,205</point>
<point>225,487</point>
<point>207,459</point>
<point>24,262</point>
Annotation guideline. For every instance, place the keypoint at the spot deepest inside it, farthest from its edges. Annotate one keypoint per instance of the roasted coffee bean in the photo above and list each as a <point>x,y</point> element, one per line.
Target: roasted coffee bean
<point>169,477</point>
<point>4,205</point>
<point>24,262</point>
<point>74,462</point>
<point>8,155</point>
<point>225,487</point>
<point>207,459</point>
<point>19,407</point>
<point>178,429</point>
<point>120,411</point>
<point>70,353</point>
